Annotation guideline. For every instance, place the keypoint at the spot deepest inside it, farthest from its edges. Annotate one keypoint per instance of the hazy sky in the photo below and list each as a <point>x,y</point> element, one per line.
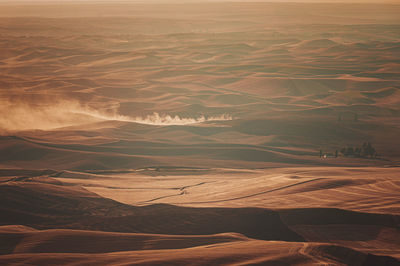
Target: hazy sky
<point>174,1</point>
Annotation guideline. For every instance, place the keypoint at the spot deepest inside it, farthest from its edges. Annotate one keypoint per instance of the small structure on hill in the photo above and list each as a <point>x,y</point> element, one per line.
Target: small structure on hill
<point>328,154</point>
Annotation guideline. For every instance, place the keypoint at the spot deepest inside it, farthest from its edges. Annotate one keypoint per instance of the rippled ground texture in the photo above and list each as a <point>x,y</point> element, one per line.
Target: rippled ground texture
<point>191,133</point>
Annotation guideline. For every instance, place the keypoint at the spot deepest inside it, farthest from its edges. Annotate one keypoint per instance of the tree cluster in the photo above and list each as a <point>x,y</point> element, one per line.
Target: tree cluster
<point>366,150</point>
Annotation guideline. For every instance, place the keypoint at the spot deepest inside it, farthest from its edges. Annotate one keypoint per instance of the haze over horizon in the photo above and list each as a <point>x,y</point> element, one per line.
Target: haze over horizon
<point>200,1</point>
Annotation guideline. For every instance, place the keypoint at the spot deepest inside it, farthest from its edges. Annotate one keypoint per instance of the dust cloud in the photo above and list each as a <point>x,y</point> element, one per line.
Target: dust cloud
<point>19,116</point>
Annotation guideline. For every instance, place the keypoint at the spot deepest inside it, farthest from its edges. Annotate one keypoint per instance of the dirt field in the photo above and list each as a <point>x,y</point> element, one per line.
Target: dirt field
<point>195,134</point>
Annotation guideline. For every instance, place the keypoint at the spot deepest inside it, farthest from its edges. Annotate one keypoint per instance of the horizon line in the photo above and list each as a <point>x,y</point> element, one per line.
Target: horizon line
<point>201,1</point>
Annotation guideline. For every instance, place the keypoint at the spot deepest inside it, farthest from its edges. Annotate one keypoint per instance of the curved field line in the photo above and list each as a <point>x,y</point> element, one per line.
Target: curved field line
<point>182,189</point>
<point>252,195</point>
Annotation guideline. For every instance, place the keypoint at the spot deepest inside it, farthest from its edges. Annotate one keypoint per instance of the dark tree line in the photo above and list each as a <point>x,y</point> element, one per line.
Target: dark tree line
<point>366,150</point>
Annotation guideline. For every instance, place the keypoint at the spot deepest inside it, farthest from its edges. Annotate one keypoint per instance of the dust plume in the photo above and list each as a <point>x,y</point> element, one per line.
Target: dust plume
<point>20,115</point>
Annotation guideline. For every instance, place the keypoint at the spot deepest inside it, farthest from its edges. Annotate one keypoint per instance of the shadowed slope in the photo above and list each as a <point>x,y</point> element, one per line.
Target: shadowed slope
<point>253,252</point>
<point>22,239</point>
<point>41,203</point>
<point>44,205</point>
<point>51,206</point>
